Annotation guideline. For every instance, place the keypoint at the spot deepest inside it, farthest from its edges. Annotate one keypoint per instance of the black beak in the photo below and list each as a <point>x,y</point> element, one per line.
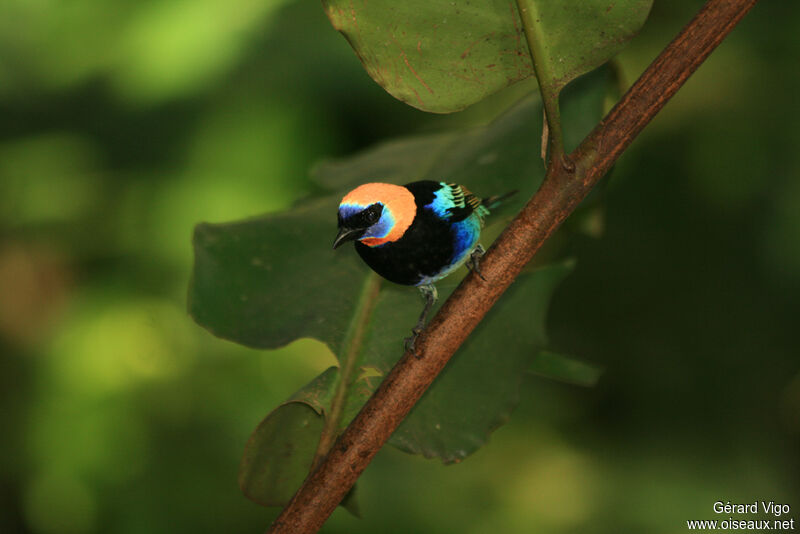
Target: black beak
<point>347,234</point>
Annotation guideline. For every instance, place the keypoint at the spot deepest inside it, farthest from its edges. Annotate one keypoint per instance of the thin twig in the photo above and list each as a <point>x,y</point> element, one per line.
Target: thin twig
<point>548,90</point>
<point>558,196</point>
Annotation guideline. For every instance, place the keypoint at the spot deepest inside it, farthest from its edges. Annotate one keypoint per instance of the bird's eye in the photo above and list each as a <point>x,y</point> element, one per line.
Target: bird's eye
<point>373,213</point>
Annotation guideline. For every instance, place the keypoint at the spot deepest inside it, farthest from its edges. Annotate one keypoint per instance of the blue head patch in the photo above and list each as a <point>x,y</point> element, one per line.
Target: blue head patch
<point>353,215</point>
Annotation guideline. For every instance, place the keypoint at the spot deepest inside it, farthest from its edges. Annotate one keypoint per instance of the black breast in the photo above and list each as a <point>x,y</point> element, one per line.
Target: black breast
<point>425,249</point>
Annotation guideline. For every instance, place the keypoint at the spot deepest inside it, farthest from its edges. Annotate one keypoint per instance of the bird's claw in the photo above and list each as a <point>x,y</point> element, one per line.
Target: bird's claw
<point>430,295</point>
<point>474,261</point>
<point>411,341</point>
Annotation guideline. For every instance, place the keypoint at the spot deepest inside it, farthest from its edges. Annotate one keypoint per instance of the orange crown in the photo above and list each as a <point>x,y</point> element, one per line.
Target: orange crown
<point>398,200</point>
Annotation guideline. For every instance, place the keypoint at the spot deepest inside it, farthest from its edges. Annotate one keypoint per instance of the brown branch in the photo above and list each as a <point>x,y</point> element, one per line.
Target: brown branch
<point>558,196</point>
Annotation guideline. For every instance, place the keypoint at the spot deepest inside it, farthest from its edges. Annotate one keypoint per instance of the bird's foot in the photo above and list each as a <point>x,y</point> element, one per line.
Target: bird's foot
<point>411,341</point>
<point>430,295</point>
<point>474,261</point>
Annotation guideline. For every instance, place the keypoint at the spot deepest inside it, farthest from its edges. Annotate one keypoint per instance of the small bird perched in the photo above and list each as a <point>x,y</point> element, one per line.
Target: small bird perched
<point>415,234</point>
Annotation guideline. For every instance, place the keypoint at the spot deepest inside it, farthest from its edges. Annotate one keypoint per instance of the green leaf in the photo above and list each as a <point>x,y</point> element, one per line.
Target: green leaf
<point>281,450</point>
<point>565,369</point>
<point>278,455</point>
<point>255,281</point>
<point>444,56</point>
<point>267,281</point>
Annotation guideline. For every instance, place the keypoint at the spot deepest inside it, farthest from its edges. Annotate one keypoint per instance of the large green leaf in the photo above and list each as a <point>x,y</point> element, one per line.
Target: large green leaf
<point>444,56</point>
<point>266,281</point>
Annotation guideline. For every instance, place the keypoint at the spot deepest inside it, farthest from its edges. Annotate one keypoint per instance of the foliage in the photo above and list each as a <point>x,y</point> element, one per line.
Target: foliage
<point>120,414</point>
<point>265,282</point>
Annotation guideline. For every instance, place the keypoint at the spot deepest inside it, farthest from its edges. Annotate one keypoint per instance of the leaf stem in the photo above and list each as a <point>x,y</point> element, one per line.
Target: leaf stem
<point>544,77</point>
<point>349,353</point>
<point>559,195</point>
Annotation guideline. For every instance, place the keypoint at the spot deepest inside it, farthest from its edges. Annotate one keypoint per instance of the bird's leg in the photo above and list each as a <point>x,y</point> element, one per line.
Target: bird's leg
<point>474,261</point>
<point>430,295</point>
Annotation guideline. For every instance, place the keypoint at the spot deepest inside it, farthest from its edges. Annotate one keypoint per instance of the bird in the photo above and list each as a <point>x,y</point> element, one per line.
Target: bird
<point>415,234</point>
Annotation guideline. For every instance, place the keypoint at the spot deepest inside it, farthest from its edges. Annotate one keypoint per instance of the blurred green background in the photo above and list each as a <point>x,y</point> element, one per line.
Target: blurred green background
<point>122,124</point>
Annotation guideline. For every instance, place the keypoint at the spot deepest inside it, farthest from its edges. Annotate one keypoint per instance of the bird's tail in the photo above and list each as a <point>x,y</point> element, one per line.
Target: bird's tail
<point>492,202</point>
